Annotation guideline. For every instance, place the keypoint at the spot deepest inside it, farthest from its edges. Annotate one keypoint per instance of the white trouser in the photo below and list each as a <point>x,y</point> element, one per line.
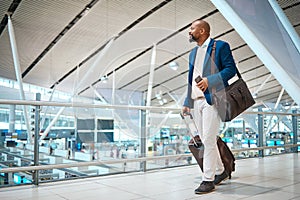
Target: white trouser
<point>208,122</point>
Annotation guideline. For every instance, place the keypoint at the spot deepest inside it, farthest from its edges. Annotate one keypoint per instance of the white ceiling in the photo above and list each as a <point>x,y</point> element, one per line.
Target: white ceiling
<point>137,25</point>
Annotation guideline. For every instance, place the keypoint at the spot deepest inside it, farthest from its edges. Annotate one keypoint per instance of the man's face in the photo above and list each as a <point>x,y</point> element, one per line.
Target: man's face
<point>195,32</point>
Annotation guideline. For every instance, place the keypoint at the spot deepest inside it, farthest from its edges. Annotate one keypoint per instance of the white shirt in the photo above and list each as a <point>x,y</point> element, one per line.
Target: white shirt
<point>198,67</point>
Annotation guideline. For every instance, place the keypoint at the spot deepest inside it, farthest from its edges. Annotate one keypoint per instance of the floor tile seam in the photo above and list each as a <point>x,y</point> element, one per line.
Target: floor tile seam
<point>295,198</point>
<point>142,179</point>
<point>291,185</point>
<point>146,197</point>
<point>63,184</point>
<point>141,174</point>
<point>192,191</point>
<point>266,192</point>
<point>210,196</point>
<point>139,195</point>
<point>59,195</point>
<point>239,186</point>
<point>62,188</point>
<point>118,188</point>
<point>286,179</point>
<point>249,196</point>
<point>180,190</point>
<point>258,181</point>
<point>229,189</point>
<point>16,188</point>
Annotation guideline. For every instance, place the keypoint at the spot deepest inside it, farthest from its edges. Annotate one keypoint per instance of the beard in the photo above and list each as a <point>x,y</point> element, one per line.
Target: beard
<point>192,39</point>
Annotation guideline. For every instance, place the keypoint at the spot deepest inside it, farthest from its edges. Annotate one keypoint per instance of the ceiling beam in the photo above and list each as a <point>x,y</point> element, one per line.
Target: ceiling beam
<point>137,21</point>
<point>286,23</point>
<point>59,36</point>
<point>262,85</point>
<point>12,8</point>
<point>149,48</point>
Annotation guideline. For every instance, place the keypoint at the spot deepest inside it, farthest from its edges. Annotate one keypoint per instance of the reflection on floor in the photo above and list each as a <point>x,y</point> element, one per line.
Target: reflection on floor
<point>276,177</point>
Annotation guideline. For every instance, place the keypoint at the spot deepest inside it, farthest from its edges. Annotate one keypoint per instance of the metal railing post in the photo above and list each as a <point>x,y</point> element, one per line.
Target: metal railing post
<point>260,132</point>
<point>35,174</point>
<point>143,139</point>
<point>295,130</point>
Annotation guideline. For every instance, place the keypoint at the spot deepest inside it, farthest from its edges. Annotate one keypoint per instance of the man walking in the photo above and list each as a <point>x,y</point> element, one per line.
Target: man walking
<point>199,97</point>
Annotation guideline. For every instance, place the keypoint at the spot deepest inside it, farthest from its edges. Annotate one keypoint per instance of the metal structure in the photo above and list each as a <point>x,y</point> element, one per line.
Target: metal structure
<point>58,43</point>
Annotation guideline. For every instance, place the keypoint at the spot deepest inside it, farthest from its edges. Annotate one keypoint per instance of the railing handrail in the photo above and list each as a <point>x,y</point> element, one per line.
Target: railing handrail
<point>110,106</point>
<point>85,105</point>
<point>107,162</point>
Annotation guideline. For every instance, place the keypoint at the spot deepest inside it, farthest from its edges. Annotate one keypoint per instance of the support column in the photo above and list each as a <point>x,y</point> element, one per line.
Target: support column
<point>87,75</point>
<point>10,178</point>
<point>35,175</point>
<point>52,123</point>
<point>151,76</point>
<point>145,114</point>
<point>96,130</point>
<point>12,118</point>
<point>286,23</point>
<point>295,130</point>
<point>260,121</point>
<point>18,74</point>
<point>143,139</point>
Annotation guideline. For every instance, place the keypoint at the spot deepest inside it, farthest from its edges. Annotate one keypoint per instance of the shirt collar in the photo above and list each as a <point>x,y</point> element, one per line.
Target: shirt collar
<point>206,43</point>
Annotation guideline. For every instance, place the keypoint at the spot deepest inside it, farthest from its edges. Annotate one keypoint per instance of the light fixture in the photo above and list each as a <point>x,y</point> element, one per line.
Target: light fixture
<point>173,65</point>
<point>158,95</point>
<point>254,95</point>
<point>104,79</point>
<point>86,10</point>
<point>161,102</point>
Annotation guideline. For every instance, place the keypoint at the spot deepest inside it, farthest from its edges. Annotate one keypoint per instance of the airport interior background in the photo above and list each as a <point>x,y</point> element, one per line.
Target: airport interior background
<point>95,87</point>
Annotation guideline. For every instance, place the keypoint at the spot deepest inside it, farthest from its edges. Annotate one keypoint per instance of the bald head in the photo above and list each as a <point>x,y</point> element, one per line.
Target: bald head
<point>199,31</point>
<point>203,24</point>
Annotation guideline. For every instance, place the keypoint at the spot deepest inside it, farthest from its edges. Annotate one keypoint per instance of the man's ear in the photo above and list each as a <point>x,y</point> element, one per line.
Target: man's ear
<point>202,30</point>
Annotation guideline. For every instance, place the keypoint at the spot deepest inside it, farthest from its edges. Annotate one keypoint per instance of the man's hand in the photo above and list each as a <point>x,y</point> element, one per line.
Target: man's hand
<point>185,110</point>
<point>203,84</point>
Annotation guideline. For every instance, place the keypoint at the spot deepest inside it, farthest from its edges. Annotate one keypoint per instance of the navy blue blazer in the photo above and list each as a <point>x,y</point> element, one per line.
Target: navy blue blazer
<point>226,69</point>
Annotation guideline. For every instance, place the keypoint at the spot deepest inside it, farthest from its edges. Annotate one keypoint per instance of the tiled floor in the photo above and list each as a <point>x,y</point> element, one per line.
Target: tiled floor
<point>275,178</point>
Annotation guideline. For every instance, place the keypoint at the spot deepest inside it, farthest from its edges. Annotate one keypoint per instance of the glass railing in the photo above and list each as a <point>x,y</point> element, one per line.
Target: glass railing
<point>107,139</point>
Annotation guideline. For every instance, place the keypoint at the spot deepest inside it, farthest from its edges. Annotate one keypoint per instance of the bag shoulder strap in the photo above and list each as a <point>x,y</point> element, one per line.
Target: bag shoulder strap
<point>213,64</point>
<point>212,59</point>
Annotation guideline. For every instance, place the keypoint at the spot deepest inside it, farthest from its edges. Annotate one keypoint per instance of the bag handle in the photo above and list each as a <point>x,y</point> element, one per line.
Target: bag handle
<point>191,117</point>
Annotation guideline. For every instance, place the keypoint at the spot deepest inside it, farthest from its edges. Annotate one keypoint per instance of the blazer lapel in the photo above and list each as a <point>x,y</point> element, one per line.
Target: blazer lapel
<point>193,57</point>
<point>207,56</point>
